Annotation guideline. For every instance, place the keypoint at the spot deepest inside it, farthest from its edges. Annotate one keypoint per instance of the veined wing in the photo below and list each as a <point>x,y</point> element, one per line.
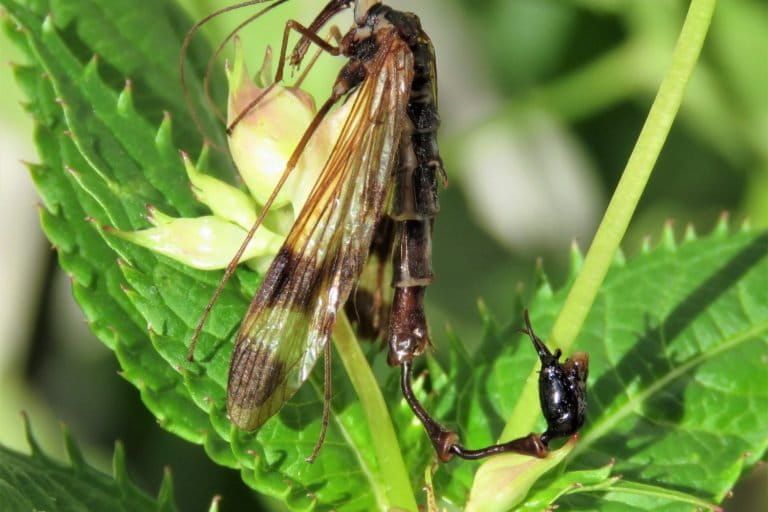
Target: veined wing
<point>370,302</point>
<point>292,315</point>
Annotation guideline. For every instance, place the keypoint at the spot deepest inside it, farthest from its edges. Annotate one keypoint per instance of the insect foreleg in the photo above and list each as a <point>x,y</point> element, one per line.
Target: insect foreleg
<point>212,60</point>
<point>307,34</point>
<point>191,33</point>
<point>329,11</point>
<point>334,33</point>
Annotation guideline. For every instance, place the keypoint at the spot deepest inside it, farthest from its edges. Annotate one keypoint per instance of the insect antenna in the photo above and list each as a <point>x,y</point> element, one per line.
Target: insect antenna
<point>220,48</point>
<point>307,34</point>
<point>185,50</point>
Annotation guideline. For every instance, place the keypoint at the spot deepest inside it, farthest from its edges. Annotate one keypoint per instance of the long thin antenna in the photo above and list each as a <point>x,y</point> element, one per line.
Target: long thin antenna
<point>185,49</point>
<point>220,48</point>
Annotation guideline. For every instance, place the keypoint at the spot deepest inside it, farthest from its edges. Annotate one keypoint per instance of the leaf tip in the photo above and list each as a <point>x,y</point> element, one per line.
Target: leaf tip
<point>47,24</point>
<point>482,309</point>
<point>123,264</point>
<point>165,495</point>
<point>214,507</point>
<point>723,224</point>
<point>76,458</point>
<point>34,447</point>
<point>575,260</point>
<point>202,159</point>
<point>690,233</point>
<point>119,468</point>
<point>163,138</point>
<point>127,290</point>
<point>125,99</point>
<point>645,246</point>
<point>92,67</point>
<point>71,171</point>
<point>746,225</point>
<point>519,291</point>
<point>543,286</point>
<point>155,217</point>
<point>668,236</point>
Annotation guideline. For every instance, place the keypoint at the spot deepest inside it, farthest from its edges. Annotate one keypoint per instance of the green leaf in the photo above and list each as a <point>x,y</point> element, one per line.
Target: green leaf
<point>38,482</point>
<point>677,336</point>
<point>104,161</point>
<point>678,387</point>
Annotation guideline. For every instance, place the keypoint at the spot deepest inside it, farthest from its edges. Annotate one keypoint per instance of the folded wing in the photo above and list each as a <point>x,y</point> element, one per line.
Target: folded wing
<point>292,315</point>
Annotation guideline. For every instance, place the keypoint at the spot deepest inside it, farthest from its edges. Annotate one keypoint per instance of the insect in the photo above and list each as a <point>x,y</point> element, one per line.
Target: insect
<point>377,194</point>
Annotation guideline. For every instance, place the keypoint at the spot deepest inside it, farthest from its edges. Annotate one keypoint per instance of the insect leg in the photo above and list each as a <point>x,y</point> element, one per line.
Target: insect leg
<point>335,34</point>
<point>212,60</point>
<point>329,11</point>
<point>306,34</point>
<point>326,404</point>
<point>191,33</point>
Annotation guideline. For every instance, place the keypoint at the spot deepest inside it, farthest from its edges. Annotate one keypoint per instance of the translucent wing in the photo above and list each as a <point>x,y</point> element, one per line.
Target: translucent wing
<point>293,313</point>
<point>370,302</point>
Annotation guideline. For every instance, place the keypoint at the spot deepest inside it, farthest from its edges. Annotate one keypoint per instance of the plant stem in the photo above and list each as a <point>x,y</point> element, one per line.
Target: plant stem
<point>624,201</point>
<point>393,475</point>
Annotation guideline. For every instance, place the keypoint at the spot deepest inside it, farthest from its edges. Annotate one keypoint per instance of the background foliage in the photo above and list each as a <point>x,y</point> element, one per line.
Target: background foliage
<point>571,79</point>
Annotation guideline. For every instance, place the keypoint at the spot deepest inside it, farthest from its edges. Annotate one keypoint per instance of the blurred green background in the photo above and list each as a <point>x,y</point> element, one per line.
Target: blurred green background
<point>541,102</point>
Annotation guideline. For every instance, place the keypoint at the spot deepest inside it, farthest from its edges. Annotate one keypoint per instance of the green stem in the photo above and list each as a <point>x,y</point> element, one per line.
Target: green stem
<point>624,201</point>
<point>393,475</point>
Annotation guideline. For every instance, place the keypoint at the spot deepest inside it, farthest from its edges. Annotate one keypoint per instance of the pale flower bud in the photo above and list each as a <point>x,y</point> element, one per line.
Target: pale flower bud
<point>261,144</point>
<point>264,139</point>
<point>207,243</point>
